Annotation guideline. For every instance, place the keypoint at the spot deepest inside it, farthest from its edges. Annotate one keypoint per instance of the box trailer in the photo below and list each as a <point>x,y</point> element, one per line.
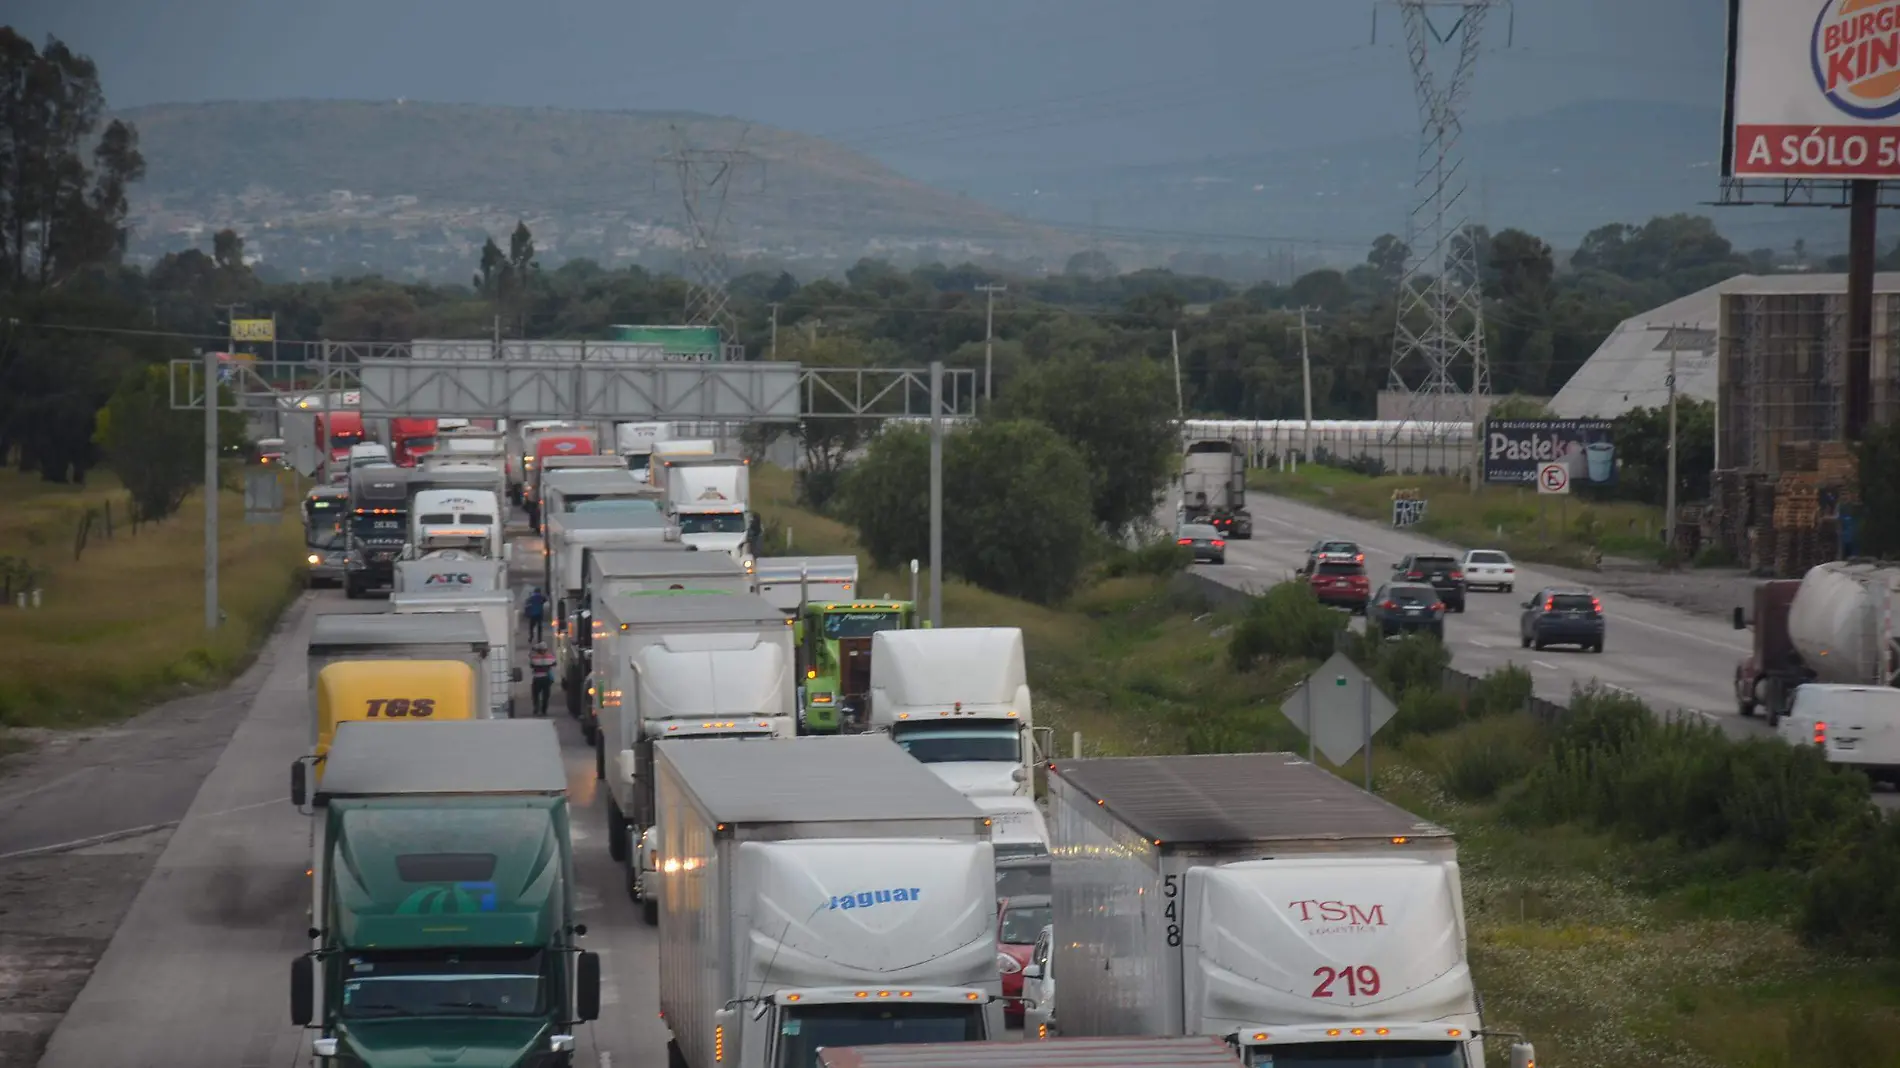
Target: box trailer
<point>496,609</point>
<point>1259,899</point>
<point>459,636</point>
<point>828,891</point>
<point>1053,1053</point>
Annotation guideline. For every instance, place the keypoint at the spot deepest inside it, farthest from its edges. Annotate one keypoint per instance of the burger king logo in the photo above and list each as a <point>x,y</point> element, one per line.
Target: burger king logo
<point>1856,54</point>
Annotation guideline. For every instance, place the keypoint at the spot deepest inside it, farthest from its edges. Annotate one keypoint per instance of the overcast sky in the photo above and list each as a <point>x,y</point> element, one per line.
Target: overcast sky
<point>940,89</point>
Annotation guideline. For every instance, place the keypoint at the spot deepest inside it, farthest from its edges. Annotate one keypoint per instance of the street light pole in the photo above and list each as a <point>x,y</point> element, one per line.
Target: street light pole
<point>936,493</point>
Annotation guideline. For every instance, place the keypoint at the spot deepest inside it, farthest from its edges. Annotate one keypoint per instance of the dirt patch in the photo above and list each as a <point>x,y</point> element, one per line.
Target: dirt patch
<point>57,915</point>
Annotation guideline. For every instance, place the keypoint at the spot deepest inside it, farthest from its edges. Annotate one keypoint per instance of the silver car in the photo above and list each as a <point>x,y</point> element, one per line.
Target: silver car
<point>1039,988</point>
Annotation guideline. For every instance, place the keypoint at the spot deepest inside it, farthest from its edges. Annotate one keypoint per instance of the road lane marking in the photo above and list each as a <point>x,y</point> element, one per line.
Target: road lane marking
<point>1541,664</point>
<point>1727,647</point>
<point>90,840</point>
<point>1478,643</point>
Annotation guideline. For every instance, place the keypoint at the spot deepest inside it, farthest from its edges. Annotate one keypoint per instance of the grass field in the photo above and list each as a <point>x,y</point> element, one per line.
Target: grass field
<point>1555,530</point>
<point>122,626</point>
<point>1571,939</point>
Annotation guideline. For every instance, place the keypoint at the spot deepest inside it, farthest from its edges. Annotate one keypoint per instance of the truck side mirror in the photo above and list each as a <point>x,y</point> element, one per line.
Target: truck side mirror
<point>1032,971</point>
<point>299,783</point>
<point>303,991</point>
<point>1741,619</point>
<point>587,987</point>
<point>1523,1056</point>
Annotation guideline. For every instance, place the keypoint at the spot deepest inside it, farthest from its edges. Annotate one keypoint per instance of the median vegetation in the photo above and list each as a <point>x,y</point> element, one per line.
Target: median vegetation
<point>120,620</point>
<point>1638,892</point>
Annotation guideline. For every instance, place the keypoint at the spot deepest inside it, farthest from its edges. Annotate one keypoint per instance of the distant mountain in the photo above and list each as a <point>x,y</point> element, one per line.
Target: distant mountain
<point>1559,174</point>
<point>317,187</point>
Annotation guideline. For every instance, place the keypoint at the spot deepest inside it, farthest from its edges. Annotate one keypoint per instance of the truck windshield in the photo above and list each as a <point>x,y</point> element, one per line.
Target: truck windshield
<point>712,523</point>
<point>325,534</point>
<point>803,1032</point>
<point>861,624</point>
<point>934,746</point>
<point>1359,1055</point>
<point>344,441</point>
<point>1017,879</point>
<point>470,982</point>
<point>427,441</point>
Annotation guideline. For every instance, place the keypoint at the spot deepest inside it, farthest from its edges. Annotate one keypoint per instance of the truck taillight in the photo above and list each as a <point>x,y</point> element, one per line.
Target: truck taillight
<point>719,1043</point>
<point>1820,733</point>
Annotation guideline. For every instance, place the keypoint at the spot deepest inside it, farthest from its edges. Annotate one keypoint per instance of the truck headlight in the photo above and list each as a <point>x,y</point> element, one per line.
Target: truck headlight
<point>315,559</point>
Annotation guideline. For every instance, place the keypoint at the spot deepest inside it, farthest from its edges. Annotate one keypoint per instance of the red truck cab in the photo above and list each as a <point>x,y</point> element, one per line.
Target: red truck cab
<point>410,440</point>
<point>337,433</point>
<point>1766,679</point>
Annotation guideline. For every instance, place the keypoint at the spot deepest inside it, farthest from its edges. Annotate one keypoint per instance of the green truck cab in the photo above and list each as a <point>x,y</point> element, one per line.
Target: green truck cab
<point>834,658</point>
<point>442,915</point>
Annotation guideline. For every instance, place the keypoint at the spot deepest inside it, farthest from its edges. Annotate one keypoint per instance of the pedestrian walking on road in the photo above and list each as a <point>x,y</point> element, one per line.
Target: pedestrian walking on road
<point>541,669</point>
<point>536,613</point>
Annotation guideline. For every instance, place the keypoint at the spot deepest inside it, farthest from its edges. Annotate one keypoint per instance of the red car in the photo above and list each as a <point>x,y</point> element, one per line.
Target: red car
<point>1019,922</point>
<point>1341,584</point>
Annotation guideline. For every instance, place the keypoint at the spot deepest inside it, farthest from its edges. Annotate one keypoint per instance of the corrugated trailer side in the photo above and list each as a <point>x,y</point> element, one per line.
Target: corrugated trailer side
<point>695,951</point>
<point>1199,1052</point>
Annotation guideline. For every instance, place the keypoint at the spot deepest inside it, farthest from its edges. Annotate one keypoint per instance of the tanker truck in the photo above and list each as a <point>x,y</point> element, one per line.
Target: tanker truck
<point>1833,626</point>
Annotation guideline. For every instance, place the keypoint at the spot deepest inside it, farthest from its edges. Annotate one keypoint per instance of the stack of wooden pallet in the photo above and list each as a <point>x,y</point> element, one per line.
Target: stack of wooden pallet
<point>1797,456</point>
<point>1797,510</point>
<point>1838,467</point>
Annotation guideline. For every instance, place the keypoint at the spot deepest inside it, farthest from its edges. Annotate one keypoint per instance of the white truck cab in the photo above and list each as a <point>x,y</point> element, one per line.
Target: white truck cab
<point>710,497</point>
<point>368,454</point>
<point>957,699</point>
<point>456,519</point>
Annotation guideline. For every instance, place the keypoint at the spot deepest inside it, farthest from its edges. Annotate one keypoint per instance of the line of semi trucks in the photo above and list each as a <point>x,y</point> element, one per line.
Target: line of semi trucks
<point>818,800</point>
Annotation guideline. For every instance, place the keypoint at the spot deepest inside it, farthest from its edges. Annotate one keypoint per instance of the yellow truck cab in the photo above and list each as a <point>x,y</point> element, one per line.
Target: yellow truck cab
<point>393,691</point>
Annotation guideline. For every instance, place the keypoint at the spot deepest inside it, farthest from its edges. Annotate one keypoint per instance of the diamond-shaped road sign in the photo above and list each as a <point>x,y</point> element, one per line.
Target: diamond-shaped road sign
<point>1332,707</point>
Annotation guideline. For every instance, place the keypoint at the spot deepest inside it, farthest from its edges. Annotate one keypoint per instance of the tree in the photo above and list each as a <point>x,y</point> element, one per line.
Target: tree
<point>1119,416</point>
<point>60,212</point>
<point>1015,506</point>
<point>157,451</point>
<point>886,496</point>
<point>1388,257</point>
<point>829,439</point>
<point>1016,510</point>
<point>227,250</point>
<point>1092,263</point>
<point>1878,457</point>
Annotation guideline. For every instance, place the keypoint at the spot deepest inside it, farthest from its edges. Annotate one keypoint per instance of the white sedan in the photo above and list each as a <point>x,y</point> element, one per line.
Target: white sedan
<point>1489,569</point>
<point>1039,989</point>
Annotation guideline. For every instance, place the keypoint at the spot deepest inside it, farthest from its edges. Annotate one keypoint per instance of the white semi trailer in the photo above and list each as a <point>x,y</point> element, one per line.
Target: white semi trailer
<point>828,892</point>
<point>1258,898</point>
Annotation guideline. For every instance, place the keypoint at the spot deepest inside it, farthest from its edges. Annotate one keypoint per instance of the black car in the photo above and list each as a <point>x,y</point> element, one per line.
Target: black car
<point>1559,616</point>
<point>1207,543</point>
<point>1441,571</point>
<point>1400,607</point>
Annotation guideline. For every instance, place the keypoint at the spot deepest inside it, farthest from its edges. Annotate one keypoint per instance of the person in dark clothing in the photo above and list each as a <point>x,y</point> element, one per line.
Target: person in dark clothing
<point>536,613</point>
<point>541,669</point>
<point>754,535</point>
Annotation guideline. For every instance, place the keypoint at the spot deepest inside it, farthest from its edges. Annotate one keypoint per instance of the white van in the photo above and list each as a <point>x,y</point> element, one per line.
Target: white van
<point>1857,726</point>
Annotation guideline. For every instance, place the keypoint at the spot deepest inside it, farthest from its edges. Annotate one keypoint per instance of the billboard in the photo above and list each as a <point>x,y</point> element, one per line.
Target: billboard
<point>1813,89</point>
<point>1515,448</point>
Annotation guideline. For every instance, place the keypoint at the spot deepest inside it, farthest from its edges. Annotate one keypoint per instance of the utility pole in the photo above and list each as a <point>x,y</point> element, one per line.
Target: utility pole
<point>989,337</point>
<point>774,307</point>
<point>211,492</point>
<point>1306,379</point>
<point>1174,342</point>
<point>1674,340</point>
<point>936,493</point>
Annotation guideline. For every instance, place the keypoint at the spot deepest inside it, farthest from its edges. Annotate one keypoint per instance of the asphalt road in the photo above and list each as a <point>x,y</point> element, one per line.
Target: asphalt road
<point>1672,659</point>
<point>197,972</point>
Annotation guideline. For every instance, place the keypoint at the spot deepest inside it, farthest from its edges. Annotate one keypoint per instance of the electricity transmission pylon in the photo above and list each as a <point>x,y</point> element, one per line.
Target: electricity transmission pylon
<point>1438,343</point>
<point>705,180</point>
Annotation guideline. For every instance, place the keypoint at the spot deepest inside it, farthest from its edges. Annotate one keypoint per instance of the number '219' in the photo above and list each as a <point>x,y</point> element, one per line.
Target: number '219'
<point>1361,981</point>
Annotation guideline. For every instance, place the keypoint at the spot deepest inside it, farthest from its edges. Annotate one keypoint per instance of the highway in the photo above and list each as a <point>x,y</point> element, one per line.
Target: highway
<point>1672,659</point>
<point>198,971</point>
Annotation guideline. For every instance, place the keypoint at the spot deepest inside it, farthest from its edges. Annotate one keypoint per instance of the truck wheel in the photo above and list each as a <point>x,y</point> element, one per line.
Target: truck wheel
<point>674,1058</point>
<point>650,912</point>
<point>600,766</point>
<point>592,736</point>
<point>616,832</point>
<point>351,589</point>
<point>1745,706</point>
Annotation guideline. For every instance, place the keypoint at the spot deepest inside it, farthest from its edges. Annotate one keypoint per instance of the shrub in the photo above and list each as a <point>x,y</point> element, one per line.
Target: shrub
<point>1760,803</point>
<point>1477,762</point>
<point>1501,692</point>
<point>1162,557</point>
<point>1286,622</point>
<point>1853,900</point>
